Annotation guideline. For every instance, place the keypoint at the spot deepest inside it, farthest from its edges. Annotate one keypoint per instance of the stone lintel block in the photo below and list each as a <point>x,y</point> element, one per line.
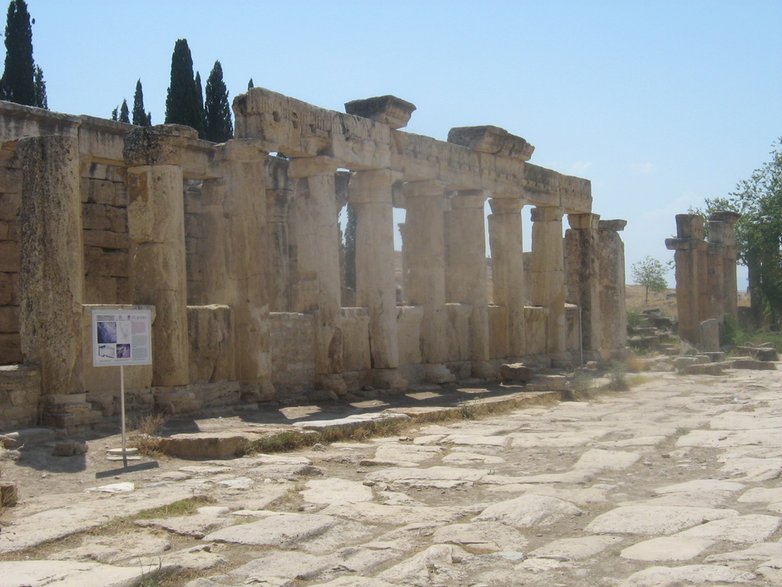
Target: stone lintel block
<point>493,140</point>
<point>468,199</point>
<point>158,145</point>
<point>725,216</point>
<point>389,110</point>
<point>242,150</point>
<point>304,167</point>
<point>547,214</point>
<point>616,225</point>
<point>583,221</point>
<point>689,226</point>
<point>505,205</point>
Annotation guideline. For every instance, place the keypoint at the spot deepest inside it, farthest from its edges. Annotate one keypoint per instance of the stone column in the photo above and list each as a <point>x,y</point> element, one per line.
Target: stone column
<point>689,256</point>
<point>728,238</point>
<point>51,278</point>
<point>424,254</point>
<point>582,275</point>
<point>157,245</point>
<point>465,277</point>
<point>239,235</point>
<point>508,267</point>
<point>714,286</point>
<point>370,196</point>
<point>319,257</point>
<point>547,275</point>
<point>279,194</point>
<point>613,315</point>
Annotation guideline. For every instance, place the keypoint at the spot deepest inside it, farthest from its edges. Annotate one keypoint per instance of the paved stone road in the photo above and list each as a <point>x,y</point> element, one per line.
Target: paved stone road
<point>676,482</point>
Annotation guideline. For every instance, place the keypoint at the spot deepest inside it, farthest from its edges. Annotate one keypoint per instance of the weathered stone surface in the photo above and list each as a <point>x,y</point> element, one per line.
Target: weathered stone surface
<point>196,525</point>
<point>698,574</point>
<point>530,511</point>
<point>575,549</point>
<point>516,373</point>
<point>606,460</point>
<point>481,537</point>
<point>439,563</point>
<point>114,549</point>
<point>667,548</point>
<point>276,529</point>
<point>282,565</point>
<point>756,552</point>
<point>651,520</point>
<point>84,574</point>
<point>206,445</point>
<point>749,528</point>
<point>375,513</point>
<point>436,477</point>
<point>389,110</point>
<point>336,491</point>
<point>753,364</point>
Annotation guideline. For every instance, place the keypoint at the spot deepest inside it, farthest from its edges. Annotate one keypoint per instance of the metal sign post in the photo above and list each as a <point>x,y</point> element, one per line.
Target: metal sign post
<point>121,336</point>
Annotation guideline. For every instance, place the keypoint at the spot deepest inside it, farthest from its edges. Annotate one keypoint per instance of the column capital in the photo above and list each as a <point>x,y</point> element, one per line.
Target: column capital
<point>468,199</point>
<point>547,214</point>
<point>163,144</point>
<point>373,185</point>
<point>505,205</point>
<point>585,221</point>
<point>725,216</point>
<point>428,188</point>
<point>617,225</point>
<point>303,167</point>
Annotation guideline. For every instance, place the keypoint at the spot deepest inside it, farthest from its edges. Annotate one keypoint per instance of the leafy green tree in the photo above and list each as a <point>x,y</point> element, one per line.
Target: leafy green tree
<point>759,234</point>
<point>40,89</point>
<point>140,116</point>
<point>182,101</point>
<point>18,82</point>
<point>217,112</point>
<point>650,273</point>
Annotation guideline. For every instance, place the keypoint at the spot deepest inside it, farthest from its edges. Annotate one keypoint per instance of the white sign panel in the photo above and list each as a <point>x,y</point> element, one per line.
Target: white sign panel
<point>121,337</point>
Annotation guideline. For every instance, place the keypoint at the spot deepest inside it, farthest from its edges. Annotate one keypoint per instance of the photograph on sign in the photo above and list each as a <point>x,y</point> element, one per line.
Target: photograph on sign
<point>121,337</point>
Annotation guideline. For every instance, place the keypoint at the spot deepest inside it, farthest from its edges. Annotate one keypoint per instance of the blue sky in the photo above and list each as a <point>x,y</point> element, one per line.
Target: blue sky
<point>659,103</point>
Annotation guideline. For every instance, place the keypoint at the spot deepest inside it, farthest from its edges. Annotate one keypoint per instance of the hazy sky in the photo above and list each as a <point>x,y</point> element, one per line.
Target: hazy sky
<point>659,103</point>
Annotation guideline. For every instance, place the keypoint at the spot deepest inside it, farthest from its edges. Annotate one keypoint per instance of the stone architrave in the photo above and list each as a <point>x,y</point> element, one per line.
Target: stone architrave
<point>239,233</point>
<point>582,275</point>
<point>465,276</point>
<point>157,244</point>
<point>508,279</point>
<point>690,258</point>
<point>370,196</point>
<point>51,278</point>
<point>319,258</point>
<point>613,315</point>
<point>424,254</point>
<point>547,274</point>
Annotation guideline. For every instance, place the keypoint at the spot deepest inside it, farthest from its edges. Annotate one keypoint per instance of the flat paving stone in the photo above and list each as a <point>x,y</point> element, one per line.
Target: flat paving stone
<point>675,576</point>
<point>654,520</point>
<point>575,549</point>
<point>276,529</point>
<point>756,552</point>
<point>375,513</point>
<point>761,495</point>
<point>749,528</point>
<point>481,537</point>
<point>281,564</point>
<point>606,460</point>
<point>54,572</point>
<point>435,477</point>
<point>667,548</point>
<point>335,491</point>
<point>439,564</point>
<point>530,510</point>
<point>117,548</point>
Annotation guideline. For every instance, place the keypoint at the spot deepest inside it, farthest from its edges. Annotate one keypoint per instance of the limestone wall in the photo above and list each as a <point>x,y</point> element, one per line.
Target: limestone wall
<point>10,199</point>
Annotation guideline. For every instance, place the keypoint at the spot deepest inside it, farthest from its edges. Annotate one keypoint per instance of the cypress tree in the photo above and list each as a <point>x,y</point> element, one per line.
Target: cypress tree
<point>40,89</point>
<point>124,113</point>
<point>182,99</point>
<point>19,76</point>
<point>199,104</point>
<point>217,113</point>
<point>140,116</point>
<point>115,114</point>
<point>250,84</point>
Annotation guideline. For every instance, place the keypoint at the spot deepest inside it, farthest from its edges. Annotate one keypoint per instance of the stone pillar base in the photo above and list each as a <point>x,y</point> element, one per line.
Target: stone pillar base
<point>334,383</point>
<point>438,373</point>
<point>562,360</point>
<point>257,392</point>
<point>389,379</point>
<point>484,370</point>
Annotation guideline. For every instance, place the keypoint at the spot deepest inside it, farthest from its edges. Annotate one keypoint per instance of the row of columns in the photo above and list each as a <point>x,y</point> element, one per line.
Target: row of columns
<point>444,258</point>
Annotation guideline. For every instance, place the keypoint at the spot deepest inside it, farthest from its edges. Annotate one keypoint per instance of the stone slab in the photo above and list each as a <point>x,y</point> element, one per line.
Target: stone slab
<point>654,520</point>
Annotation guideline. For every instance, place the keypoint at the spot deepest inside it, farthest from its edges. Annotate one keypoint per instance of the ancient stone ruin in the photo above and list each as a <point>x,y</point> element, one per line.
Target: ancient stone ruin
<point>706,288</point>
<point>237,249</point>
